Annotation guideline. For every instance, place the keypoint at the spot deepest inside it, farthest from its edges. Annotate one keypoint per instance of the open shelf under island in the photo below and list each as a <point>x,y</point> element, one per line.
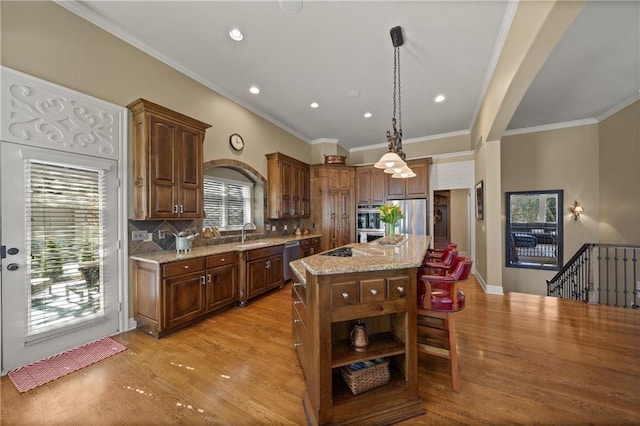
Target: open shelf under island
<point>376,284</point>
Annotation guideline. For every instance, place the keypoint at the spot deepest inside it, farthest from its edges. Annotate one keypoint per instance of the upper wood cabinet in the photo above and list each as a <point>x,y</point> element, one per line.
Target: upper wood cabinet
<point>167,163</point>
<point>289,188</point>
<point>333,204</point>
<point>370,185</point>
<point>415,187</point>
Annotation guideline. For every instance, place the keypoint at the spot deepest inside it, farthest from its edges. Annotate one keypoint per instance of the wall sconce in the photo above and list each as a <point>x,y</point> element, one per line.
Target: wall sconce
<point>576,210</point>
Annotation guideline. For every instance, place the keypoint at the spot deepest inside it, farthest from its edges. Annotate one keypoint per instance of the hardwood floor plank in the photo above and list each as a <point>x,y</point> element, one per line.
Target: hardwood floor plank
<point>524,359</point>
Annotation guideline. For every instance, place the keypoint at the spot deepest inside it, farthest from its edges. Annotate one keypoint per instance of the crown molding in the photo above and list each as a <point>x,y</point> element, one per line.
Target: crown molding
<point>547,127</point>
<point>117,31</point>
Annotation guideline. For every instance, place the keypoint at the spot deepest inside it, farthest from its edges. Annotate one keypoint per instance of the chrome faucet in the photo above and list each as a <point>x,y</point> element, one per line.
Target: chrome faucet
<point>251,227</point>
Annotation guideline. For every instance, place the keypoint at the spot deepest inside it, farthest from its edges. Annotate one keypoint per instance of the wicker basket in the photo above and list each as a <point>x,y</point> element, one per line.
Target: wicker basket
<point>364,379</point>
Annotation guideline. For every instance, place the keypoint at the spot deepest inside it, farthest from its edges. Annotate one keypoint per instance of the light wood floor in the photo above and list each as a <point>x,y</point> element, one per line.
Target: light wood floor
<point>524,359</point>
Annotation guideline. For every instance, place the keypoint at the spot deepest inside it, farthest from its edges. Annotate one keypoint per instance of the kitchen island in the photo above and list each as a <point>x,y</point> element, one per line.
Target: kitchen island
<point>376,284</point>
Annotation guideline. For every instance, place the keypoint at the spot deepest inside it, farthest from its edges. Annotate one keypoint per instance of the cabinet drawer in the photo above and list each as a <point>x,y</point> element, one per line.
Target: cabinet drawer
<point>343,294</point>
<point>397,288</point>
<point>372,290</point>
<point>299,313</point>
<point>222,259</point>
<point>299,292</point>
<point>183,267</point>
<point>264,252</point>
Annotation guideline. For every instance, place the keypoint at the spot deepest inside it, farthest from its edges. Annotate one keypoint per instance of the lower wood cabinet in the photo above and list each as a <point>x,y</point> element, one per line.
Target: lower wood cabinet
<point>310,246</point>
<point>324,311</point>
<point>264,270</point>
<point>174,294</point>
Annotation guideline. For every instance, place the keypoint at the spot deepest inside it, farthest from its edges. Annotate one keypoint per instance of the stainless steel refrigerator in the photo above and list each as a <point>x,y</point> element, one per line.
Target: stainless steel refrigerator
<point>415,216</point>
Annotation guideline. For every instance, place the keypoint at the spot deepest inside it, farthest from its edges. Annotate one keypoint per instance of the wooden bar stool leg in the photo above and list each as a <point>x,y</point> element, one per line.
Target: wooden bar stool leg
<point>453,353</point>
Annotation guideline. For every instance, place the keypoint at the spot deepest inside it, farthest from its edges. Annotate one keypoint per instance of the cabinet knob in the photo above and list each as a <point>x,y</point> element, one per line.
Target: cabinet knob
<point>175,208</point>
<point>374,291</point>
<point>345,295</point>
<point>297,302</point>
<point>186,266</point>
<point>297,320</point>
<point>209,278</point>
<point>297,345</point>
<point>297,284</point>
<point>202,280</point>
<point>181,208</point>
<point>400,289</point>
<point>222,260</point>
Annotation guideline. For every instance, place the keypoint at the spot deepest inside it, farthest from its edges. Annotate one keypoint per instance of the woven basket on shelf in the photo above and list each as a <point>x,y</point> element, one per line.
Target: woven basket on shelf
<point>367,378</point>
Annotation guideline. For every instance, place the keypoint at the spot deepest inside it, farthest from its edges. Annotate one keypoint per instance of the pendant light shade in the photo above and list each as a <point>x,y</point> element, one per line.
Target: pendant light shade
<point>393,161</point>
<point>389,161</point>
<point>404,173</point>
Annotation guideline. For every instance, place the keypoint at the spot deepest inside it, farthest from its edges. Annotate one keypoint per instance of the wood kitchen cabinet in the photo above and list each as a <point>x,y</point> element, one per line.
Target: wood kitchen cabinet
<point>415,187</point>
<point>222,281</point>
<point>324,311</point>
<point>288,187</point>
<point>370,185</point>
<point>310,246</point>
<point>167,163</point>
<point>264,270</point>
<point>174,294</point>
<point>333,204</point>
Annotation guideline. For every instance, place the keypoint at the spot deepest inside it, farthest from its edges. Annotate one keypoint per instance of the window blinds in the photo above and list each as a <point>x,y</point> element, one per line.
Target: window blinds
<point>227,204</point>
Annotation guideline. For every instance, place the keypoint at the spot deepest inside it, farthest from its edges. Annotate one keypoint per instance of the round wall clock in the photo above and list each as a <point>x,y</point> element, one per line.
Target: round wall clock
<point>236,142</point>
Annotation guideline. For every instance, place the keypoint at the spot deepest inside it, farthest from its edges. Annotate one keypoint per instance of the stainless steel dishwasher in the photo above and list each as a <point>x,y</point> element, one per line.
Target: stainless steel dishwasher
<point>291,253</point>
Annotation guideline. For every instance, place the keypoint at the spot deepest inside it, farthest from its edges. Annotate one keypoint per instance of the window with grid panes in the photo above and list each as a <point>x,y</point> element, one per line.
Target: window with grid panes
<point>227,203</point>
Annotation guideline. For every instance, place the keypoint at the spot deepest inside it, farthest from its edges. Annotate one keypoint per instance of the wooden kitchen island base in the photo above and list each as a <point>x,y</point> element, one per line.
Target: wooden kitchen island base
<point>373,413</point>
<point>329,295</point>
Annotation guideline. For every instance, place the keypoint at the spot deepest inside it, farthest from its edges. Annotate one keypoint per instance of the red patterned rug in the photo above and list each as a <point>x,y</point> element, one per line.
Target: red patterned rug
<point>40,372</point>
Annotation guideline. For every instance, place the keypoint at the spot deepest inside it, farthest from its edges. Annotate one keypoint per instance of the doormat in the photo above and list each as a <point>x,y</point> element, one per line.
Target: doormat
<point>40,372</point>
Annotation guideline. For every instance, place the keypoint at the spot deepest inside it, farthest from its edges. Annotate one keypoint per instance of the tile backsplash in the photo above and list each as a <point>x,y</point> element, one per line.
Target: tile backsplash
<point>169,228</point>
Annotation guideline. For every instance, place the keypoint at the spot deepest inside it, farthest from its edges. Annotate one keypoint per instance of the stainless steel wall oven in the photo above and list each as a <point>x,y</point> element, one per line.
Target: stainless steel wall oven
<point>369,225</point>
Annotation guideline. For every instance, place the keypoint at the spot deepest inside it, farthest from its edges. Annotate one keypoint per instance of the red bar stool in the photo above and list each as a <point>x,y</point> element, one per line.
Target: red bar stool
<point>438,300</point>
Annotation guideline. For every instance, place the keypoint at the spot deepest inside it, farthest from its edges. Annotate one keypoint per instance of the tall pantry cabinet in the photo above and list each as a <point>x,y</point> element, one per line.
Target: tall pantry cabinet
<point>333,204</point>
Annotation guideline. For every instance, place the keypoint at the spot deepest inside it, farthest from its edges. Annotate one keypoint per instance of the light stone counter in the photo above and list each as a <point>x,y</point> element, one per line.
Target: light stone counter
<point>172,256</point>
<point>408,253</point>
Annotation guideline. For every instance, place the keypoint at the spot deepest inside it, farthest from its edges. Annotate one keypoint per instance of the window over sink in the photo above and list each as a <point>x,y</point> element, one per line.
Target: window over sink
<point>227,203</point>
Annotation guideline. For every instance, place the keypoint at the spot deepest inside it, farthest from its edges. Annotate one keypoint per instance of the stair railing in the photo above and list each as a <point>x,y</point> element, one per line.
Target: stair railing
<point>605,274</point>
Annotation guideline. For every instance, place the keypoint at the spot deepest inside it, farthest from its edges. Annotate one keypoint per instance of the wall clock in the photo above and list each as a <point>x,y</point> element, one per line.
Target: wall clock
<point>236,142</point>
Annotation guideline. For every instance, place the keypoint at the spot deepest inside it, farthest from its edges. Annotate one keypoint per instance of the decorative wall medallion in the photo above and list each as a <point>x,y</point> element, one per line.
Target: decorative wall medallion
<point>44,114</point>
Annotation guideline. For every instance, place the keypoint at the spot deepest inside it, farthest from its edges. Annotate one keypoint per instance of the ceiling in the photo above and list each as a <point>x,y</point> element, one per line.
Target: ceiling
<point>340,55</point>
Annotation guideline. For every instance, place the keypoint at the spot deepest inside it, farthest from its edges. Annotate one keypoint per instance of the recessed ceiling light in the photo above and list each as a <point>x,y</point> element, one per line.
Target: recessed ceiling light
<point>254,90</point>
<point>439,98</point>
<point>353,93</point>
<point>367,115</point>
<point>314,105</point>
<point>236,35</point>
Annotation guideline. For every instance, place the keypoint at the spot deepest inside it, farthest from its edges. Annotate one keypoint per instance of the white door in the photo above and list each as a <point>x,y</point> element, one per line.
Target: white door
<point>59,242</point>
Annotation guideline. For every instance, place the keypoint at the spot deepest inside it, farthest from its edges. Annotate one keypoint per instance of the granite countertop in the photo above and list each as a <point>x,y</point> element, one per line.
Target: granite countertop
<point>408,253</point>
<point>172,256</point>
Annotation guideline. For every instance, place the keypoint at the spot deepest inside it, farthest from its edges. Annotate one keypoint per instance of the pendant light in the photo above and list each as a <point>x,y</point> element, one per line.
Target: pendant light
<point>393,162</point>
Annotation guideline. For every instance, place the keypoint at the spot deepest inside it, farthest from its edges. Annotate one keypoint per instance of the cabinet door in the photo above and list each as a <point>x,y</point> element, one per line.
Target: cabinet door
<point>296,188</point>
<point>162,168</point>
<point>344,226</point>
<point>418,186</point>
<point>189,155</point>
<point>256,277</point>
<point>395,187</point>
<point>221,286</point>
<point>184,298</point>
<point>274,271</point>
<point>377,186</point>
<point>333,223</point>
<point>287,189</point>
<point>305,191</point>
<point>363,186</point>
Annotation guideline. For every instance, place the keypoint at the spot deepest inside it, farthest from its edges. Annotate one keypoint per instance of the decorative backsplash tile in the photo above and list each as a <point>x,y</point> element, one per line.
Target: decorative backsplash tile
<point>169,228</point>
